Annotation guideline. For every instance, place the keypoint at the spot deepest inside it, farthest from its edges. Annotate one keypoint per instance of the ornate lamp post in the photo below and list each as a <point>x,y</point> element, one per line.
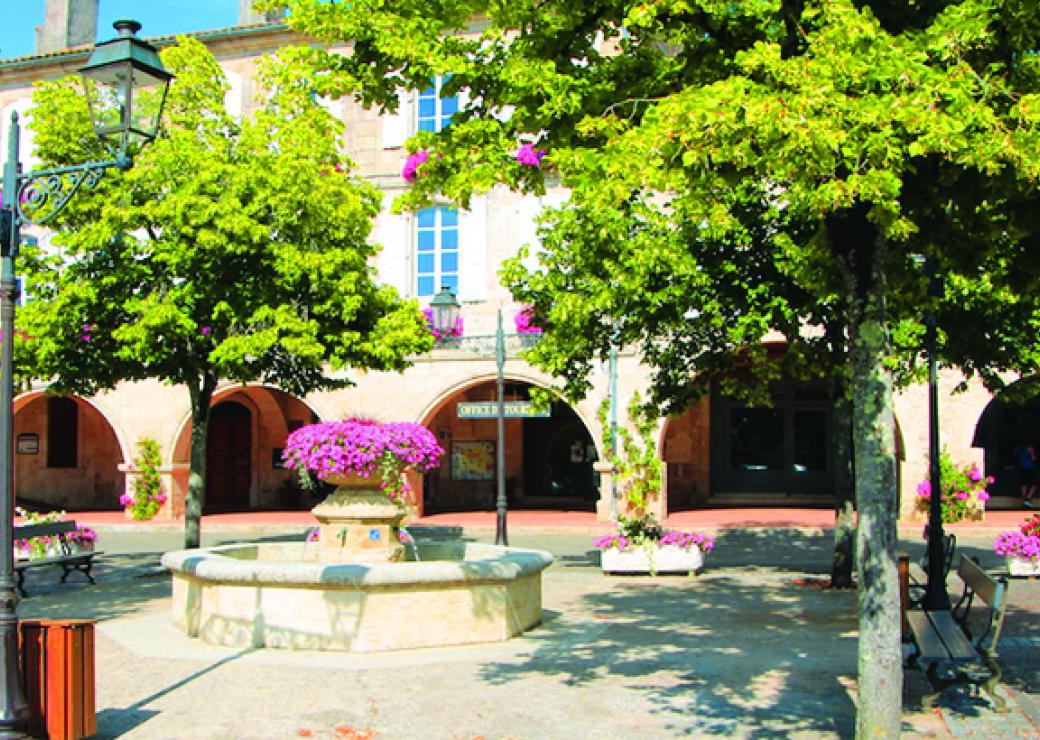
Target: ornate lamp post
<point>126,86</point>
<point>445,316</point>
<point>936,597</point>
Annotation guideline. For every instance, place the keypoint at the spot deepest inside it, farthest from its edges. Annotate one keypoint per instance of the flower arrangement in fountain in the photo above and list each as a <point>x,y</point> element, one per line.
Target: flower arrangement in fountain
<point>365,448</point>
<point>1021,543</point>
<point>963,494</point>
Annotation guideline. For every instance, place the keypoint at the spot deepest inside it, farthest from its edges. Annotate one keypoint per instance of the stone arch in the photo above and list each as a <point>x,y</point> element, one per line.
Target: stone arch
<point>93,481</point>
<point>1004,424</point>
<point>274,414</point>
<point>439,401</point>
<point>548,460</point>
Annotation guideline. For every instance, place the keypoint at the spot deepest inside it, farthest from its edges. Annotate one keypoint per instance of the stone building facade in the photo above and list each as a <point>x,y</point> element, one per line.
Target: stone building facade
<point>77,453</point>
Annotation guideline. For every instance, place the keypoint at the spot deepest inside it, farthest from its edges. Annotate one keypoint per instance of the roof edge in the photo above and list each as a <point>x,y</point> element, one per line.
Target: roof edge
<point>75,52</point>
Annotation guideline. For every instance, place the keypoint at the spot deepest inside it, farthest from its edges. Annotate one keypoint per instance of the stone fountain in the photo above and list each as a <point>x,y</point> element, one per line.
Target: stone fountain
<point>355,589</point>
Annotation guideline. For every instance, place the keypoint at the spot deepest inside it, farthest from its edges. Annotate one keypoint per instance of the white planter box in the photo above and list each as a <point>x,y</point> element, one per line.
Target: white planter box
<point>1022,566</point>
<point>666,559</point>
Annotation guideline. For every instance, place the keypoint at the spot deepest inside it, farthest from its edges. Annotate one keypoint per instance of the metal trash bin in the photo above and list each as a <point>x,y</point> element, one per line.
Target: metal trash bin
<point>57,667</point>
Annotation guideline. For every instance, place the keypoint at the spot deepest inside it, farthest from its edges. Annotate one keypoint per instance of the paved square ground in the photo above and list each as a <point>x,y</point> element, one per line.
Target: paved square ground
<point>740,651</point>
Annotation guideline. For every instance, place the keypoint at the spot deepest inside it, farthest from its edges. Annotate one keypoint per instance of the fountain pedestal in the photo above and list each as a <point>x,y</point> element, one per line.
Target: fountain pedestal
<point>359,523</point>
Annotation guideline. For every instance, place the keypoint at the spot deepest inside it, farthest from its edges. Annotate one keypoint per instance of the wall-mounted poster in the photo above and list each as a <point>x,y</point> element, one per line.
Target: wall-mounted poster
<point>473,460</point>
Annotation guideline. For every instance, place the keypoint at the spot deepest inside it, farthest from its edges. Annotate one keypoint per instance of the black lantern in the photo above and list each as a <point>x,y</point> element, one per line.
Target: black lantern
<point>445,308</point>
<point>126,88</point>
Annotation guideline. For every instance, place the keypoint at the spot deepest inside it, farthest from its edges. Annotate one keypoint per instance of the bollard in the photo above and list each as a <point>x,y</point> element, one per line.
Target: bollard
<point>57,661</point>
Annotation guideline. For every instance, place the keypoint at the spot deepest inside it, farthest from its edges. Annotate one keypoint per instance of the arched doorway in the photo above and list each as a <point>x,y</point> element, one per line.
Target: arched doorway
<point>1001,428</point>
<point>229,458</point>
<point>67,455</point>
<point>247,432</point>
<point>548,460</point>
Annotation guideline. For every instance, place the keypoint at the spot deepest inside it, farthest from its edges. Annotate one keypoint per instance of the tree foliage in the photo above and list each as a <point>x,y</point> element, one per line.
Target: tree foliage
<point>741,167</point>
<point>233,249</point>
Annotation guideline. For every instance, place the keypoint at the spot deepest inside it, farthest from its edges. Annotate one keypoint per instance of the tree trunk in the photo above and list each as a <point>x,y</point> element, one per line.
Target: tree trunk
<point>201,396</point>
<point>880,656</point>
<point>844,511</point>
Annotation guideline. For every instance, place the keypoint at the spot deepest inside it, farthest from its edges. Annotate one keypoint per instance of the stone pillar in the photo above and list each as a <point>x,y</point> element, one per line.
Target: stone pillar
<point>606,489</point>
<point>67,23</point>
<point>247,16</point>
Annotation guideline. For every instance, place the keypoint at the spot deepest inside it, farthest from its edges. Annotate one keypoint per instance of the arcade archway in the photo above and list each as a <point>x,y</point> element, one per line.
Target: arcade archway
<point>67,455</point>
<point>548,460</point>
<point>1003,427</point>
<point>722,452</point>
<point>246,435</point>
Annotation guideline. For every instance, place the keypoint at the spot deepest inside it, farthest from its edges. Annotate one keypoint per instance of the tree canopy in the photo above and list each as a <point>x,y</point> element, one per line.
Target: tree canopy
<point>737,167</point>
<point>233,249</point>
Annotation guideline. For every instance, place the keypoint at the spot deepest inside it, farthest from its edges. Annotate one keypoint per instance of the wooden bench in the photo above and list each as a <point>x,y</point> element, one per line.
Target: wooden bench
<point>944,640</point>
<point>69,561</point>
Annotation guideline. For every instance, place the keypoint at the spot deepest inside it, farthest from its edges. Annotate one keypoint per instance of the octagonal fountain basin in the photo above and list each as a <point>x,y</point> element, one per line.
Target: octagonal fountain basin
<point>280,595</point>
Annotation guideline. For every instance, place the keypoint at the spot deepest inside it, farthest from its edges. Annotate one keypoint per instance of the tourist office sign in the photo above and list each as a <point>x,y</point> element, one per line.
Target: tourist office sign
<point>489,410</point>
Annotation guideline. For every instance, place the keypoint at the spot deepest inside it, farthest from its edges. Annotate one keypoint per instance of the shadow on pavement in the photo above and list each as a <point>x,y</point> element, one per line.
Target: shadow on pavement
<point>717,655</point>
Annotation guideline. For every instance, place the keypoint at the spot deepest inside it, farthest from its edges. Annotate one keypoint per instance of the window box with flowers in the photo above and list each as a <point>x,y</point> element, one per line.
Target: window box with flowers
<point>75,542</point>
<point>37,548</point>
<point>80,540</point>
<point>1021,548</point>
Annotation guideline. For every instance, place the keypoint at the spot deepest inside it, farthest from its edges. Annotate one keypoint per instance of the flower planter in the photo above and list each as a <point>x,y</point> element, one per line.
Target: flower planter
<point>1022,566</point>
<point>656,559</point>
<point>77,548</point>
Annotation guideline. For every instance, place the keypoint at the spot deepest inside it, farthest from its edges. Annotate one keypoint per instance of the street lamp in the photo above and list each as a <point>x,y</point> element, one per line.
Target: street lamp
<point>613,395</point>
<point>126,87</point>
<point>936,597</point>
<point>445,309</point>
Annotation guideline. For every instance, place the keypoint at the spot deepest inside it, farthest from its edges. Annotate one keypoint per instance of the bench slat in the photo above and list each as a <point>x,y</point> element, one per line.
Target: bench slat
<point>928,642</point>
<point>952,636</point>
<point>27,531</point>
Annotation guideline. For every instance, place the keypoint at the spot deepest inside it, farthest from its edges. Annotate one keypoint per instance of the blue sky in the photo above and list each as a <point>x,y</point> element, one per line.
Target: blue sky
<point>157,18</point>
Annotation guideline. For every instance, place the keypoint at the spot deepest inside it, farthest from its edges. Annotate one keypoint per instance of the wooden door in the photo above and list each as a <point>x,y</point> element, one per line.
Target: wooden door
<point>229,449</point>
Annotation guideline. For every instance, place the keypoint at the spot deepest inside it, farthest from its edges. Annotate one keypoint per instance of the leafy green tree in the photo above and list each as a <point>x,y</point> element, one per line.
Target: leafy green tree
<point>231,250</point>
<point>864,134</point>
